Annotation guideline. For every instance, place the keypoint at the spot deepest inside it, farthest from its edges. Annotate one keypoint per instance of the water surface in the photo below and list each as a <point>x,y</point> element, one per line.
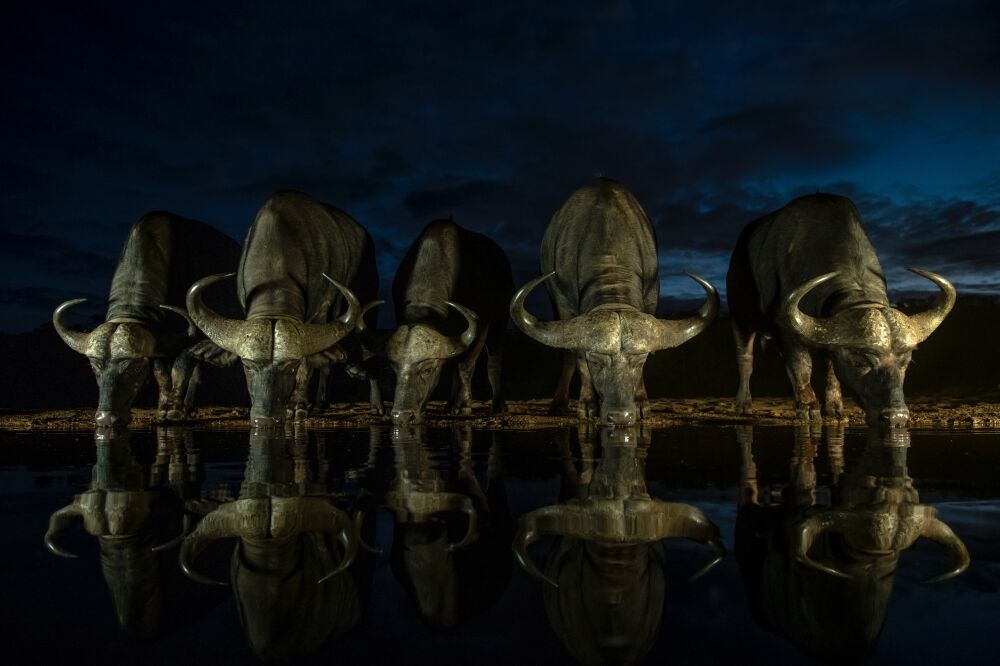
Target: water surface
<point>624,519</point>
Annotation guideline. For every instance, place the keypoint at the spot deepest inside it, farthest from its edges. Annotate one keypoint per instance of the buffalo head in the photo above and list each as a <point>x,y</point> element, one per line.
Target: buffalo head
<point>120,352</point>
<point>417,353</point>
<point>616,341</point>
<point>871,345</point>
<point>271,349</point>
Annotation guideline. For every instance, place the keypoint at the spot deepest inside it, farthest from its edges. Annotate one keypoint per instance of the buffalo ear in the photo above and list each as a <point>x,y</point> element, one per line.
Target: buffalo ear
<point>334,354</point>
<point>213,354</point>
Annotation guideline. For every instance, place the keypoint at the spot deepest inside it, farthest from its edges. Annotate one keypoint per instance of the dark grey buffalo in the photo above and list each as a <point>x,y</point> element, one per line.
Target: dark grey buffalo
<point>162,256</point>
<point>814,253</point>
<point>599,256</point>
<point>448,266</point>
<point>299,253</point>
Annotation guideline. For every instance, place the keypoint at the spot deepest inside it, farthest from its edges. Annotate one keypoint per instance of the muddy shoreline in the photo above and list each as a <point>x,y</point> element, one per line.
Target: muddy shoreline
<point>928,412</point>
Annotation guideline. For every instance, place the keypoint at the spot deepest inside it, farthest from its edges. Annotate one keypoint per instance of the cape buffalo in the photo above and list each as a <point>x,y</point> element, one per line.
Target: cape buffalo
<point>162,256</point>
<point>815,253</point>
<point>298,254</point>
<point>599,256</point>
<point>822,577</point>
<point>447,266</point>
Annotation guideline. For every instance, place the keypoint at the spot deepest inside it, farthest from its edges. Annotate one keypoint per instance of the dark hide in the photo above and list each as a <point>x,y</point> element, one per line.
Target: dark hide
<point>776,254</point>
<point>293,241</point>
<point>448,263</point>
<point>162,256</point>
<point>604,253</point>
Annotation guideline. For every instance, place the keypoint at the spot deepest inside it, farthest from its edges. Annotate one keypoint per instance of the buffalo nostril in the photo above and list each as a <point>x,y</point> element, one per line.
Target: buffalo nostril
<point>896,418</point>
<point>620,418</point>
<point>403,416</point>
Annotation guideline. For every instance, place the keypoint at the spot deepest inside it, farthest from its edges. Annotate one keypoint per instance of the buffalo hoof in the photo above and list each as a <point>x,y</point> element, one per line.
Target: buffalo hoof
<point>586,410</point>
<point>642,408</point>
<point>743,408</point>
<point>161,416</point>
<point>460,410</point>
<point>807,413</point>
<point>377,410</point>
<point>559,408</point>
<point>301,413</point>
<point>175,415</point>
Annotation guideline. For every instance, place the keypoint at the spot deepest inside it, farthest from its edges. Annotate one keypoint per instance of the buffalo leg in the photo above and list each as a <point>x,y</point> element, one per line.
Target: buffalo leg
<point>298,406</point>
<point>560,402</point>
<point>586,407</point>
<point>641,399</point>
<point>162,376</point>
<point>494,369</point>
<point>833,399</point>
<point>320,402</point>
<point>462,392</point>
<point>180,375</point>
<point>744,361</point>
<point>192,389</point>
<point>798,364</point>
<point>368,372</point>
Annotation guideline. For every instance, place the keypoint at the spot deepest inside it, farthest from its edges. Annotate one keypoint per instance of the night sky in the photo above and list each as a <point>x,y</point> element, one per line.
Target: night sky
<point>400,114</point>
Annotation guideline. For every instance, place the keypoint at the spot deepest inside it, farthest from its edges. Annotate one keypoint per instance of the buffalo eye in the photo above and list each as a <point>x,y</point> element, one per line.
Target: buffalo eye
<point>426,372</point>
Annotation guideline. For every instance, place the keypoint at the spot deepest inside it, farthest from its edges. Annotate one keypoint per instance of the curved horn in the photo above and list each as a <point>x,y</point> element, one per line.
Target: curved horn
<point>318,515</point>
<point>77,340</point>
<point>361,327</point>
<point>530,528</point>
<point>678,520</point>
<point>59,522</point>
<point>552,333</point>
<point>222,523</point>
<point>458,345</point>
<point>192,330</point>
<point>803,539</point>
<point>317,337</point>
<point>350,537</point>
<point>226,333</point>
<point>185,530</point>
<point>673,333</point>
<point>940,533</point>
<point>822,332</point>
<point>471,532</point>
<point>922,324</point>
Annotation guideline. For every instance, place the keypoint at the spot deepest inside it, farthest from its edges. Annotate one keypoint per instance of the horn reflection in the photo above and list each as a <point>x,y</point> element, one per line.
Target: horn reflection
<point>293,567</point>
<point>451,540</point>
<point>822,576</point>
<point>605,572</point>
<point>138,515</point>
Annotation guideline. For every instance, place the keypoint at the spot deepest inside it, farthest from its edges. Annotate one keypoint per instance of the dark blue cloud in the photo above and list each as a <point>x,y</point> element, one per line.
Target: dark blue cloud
<point>712,113</point>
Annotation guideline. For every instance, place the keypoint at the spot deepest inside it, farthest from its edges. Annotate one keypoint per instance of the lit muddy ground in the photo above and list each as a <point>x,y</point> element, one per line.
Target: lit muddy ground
<point>444,589</point>
<point>926,412</point>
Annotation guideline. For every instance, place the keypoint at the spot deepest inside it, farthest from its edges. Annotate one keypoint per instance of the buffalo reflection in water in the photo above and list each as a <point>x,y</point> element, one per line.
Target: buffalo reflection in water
<point>138,519</point>
<point>451,541</point>
<point>291,568</point>
<point>822,577</point>
<point>605,573</point>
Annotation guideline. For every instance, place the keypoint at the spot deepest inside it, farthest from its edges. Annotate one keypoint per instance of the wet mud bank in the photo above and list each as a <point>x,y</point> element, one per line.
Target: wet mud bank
<point>926,412</point>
